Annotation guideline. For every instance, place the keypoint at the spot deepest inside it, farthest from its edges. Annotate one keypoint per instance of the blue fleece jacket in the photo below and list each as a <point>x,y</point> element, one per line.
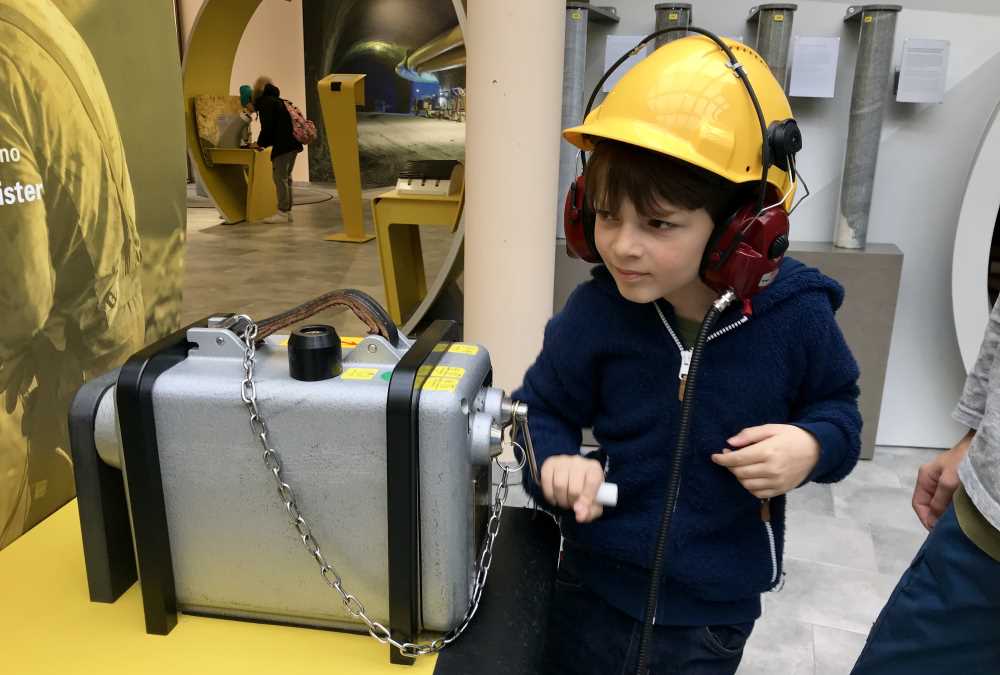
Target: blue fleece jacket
<point>612,365</point>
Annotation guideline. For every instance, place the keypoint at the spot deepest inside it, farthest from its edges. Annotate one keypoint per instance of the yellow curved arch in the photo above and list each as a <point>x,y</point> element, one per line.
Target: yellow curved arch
<point>208,69</point>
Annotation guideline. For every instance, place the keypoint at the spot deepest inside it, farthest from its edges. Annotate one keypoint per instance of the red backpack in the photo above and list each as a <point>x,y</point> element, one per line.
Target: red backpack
<point>303,130</point>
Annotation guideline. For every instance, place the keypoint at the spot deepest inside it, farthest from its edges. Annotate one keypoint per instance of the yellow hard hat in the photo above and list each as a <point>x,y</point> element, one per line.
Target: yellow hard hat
<point>684,100</point>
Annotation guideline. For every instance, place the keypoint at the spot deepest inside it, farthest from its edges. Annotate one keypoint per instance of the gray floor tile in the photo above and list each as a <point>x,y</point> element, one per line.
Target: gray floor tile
<point>895,548</point>
<point>876,505</point>
<point>905,462</point>
<point>263,269</point>
<point>812,497</point>
<point>836,650</point>
<point>832,596</point>
<point>814,537</point>
<point>869,472</point>
<point>778,644</point>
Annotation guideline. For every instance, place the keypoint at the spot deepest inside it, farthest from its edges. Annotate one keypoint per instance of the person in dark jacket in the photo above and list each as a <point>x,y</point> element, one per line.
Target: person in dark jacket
<point>276,133</point>
<point>672,147</point>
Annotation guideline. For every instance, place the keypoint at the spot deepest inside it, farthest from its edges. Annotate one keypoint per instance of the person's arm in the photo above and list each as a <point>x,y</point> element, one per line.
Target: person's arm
<point>27,283</point>
<point>972,405</point>
<point>828,400</point>
<point>822,441</point>
<point>560,389</point>
<point>266,115</point>
<point>938,479</point>
<point>937,482</point>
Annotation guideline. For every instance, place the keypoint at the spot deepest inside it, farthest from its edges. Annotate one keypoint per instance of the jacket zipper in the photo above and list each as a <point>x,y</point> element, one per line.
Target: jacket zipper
<point>765,508</point>
<point>686,353</point>
<point>765,516</point>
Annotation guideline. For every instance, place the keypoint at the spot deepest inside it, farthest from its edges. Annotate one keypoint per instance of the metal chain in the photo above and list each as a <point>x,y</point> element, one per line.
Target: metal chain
<point>326,569</point>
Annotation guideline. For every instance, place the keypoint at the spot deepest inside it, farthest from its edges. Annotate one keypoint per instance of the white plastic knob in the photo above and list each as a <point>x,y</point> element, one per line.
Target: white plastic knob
<point>607,494</point>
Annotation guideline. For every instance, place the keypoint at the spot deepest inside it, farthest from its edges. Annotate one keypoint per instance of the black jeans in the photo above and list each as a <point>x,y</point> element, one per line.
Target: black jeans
<point>587,636</point>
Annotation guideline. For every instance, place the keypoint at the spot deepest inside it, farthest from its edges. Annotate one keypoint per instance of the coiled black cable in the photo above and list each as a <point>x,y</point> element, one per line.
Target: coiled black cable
<point>674,481</point>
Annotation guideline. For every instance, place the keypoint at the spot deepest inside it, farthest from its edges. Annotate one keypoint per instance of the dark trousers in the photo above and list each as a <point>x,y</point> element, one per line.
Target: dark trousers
<point>282,173</point>
<point>587,636</point>
<point>943,616</point>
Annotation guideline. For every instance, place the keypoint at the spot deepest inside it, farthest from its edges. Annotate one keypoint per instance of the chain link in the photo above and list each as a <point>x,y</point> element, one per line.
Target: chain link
<point>272,461</point>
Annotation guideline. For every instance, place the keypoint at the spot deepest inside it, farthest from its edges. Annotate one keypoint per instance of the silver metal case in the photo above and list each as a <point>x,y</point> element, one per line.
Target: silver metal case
<point>234,552</point>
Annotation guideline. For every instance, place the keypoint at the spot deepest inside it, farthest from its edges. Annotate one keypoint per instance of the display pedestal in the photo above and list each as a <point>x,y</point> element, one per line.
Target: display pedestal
<point>49,625</point>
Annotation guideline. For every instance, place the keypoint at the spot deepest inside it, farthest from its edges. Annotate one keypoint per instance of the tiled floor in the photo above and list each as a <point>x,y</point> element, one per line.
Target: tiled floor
<point>847,543</point>
<point>261,269</point>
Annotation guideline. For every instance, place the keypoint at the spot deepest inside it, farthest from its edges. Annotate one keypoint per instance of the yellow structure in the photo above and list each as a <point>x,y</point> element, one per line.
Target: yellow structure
<point>339,96</point>
<point>239,181</point>
<point>50,598</point>
<point>398,218</point>
<point>254,168</point>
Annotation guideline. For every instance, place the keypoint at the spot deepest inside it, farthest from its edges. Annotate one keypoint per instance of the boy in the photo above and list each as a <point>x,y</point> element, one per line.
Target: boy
<point>778,386</point>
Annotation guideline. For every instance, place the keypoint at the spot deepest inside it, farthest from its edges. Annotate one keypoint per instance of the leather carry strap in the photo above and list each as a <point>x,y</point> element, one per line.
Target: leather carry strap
<point>363,305</point>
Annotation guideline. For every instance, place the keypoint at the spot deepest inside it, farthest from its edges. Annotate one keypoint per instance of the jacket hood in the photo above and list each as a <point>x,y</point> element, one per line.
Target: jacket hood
<point>270,90</point>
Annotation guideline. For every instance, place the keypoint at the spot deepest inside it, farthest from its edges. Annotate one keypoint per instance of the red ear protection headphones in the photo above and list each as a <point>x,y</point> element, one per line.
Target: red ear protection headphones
<point>745,252</point>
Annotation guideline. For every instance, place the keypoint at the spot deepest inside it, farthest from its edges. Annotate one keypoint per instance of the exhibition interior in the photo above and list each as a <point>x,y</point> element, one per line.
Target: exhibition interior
<point>341,334</point>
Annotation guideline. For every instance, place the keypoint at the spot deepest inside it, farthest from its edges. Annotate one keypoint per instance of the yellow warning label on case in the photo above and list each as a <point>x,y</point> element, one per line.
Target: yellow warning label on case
<point>673,16</point>
<point>441,378</point>
<point>868,19</point>
<point>457,348</point>
<point>576,15</point>
<point>779,17</point>
<point>359,374</point>
<point>441,384</point>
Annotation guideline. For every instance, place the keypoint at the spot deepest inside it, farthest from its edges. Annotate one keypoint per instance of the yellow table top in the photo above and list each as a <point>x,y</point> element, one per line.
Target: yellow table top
<point>243,156</point>
<point>417,197</point>
<point>48,625</point>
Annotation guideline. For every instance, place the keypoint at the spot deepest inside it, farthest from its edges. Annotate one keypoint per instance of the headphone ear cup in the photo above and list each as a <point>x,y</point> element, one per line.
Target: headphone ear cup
<point>578,223</point>
<point>784,139</point>
<point>746,253</point>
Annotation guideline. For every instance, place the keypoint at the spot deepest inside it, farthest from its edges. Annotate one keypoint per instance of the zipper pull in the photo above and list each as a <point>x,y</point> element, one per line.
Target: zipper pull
<point>683,374</point>
<point>765,510</point>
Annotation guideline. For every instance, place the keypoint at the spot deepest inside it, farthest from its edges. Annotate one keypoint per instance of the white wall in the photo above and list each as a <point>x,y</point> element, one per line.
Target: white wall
<point>924,161</point>
<point>272,45</point>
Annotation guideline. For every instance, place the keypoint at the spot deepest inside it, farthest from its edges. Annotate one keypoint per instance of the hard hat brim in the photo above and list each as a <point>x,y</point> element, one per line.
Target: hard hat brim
<point>657,139</point>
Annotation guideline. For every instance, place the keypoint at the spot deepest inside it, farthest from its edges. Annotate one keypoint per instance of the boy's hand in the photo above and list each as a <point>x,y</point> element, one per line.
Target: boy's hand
<point>937,481</point>
<point>774,459</point>
<point>571,482</point>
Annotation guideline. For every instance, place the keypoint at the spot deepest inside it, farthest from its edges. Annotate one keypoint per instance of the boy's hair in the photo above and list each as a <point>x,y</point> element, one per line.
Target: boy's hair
<point>617,170</point>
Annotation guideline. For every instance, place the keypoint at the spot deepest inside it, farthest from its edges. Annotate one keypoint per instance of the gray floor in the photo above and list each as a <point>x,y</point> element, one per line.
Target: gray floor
<point>262,269</point>
<point>847,543</point>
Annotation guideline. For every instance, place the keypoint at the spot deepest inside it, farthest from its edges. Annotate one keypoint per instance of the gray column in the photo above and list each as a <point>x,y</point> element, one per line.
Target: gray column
<point>773,35</point>
<point>574,68</point>
<point>871,87</point>
<point>671,14</point>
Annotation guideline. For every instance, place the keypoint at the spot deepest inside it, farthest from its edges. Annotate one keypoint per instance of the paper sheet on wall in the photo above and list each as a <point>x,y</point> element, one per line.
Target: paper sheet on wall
<point>923,71</point>
<point>617,46</point>
<point>814,66</point>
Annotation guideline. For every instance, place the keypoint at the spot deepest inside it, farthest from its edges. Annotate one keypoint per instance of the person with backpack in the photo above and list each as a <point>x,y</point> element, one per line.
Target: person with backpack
<point>277,131</point>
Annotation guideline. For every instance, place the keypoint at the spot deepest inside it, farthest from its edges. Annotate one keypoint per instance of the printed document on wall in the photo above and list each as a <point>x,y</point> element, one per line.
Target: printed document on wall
<point>814,66</point>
